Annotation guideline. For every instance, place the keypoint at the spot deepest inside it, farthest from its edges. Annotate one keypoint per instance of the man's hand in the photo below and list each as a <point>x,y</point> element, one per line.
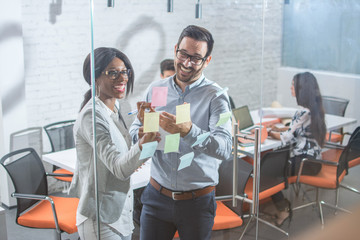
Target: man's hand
<point>168,123</point>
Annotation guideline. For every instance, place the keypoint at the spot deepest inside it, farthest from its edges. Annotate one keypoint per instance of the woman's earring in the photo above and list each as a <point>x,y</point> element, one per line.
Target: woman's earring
<point>97,90</point>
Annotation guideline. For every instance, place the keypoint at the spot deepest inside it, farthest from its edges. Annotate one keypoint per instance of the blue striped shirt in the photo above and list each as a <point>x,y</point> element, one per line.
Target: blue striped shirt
<point>205,108</point>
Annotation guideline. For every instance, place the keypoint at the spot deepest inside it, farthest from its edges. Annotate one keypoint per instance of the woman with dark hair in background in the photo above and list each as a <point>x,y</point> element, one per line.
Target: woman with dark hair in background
<point>306,133</point>
<point>116,158</point>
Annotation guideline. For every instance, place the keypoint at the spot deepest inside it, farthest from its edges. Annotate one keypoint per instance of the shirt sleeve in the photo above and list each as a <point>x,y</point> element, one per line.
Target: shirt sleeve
<point>296,126</point>
<point>219,143</point>
<point>121,164</point>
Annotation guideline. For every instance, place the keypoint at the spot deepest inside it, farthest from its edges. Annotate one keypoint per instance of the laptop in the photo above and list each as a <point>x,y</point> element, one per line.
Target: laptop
<point>243,118</point>
<point>246,125</point>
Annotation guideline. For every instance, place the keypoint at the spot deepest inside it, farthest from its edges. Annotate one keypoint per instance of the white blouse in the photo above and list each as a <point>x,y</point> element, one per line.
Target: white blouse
<point>299,134</point>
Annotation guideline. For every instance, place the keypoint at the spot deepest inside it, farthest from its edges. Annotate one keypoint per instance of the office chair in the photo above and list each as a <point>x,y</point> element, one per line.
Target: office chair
<point>227,216</point>
<point>335,106</point>
<point>29,137</point>
<point>352,155</point>
<point>61,138</point>
<point>330,176</point>
<point>35,208</point>
<point>273,179</point>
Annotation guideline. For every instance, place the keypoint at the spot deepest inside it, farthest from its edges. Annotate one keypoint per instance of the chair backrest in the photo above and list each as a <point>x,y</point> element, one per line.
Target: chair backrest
<point>274,168</point>
<point>29,137</point>
<point>335,105</point>
<point>352,150</point>
<point>224,188</point>
<point>60,135</point>
<point>28,175</point>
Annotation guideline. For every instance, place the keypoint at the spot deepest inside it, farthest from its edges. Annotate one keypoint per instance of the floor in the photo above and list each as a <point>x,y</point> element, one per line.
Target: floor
<point>301,221</point>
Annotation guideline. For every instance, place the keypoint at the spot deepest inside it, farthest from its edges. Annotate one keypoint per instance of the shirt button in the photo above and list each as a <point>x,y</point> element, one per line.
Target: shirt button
<point>172,185</point>
<point>173,169</point>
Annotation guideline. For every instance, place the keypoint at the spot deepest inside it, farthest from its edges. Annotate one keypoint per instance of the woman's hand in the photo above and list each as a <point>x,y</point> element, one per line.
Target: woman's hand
<point>141,107</point>
<point>149,137</point>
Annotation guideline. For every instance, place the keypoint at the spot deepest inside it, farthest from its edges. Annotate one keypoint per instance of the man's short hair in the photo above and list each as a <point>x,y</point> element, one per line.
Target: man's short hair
<point>167,64</point>
<point>199,34</point>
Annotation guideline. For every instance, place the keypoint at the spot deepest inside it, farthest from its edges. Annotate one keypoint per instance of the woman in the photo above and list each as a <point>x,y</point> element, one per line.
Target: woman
<point>116,159</point>
<point>306,133</point>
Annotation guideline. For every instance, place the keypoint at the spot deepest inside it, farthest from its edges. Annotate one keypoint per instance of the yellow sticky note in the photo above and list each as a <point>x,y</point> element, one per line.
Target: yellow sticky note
<point>151,122</point>
<point>183,113</point>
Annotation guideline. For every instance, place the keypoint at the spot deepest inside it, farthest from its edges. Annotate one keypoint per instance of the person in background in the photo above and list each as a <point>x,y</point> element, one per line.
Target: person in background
<point>116,158</point>
<point>306,134</point>
<point>167,68</point>
<point>184,200</point>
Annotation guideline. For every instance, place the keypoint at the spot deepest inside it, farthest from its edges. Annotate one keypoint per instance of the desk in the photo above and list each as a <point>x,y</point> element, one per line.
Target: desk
<point>332,121</point>
<point>67,159</point>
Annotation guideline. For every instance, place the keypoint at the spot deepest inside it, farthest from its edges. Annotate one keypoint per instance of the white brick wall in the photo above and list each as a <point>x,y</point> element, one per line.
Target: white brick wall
<point>54,53</point>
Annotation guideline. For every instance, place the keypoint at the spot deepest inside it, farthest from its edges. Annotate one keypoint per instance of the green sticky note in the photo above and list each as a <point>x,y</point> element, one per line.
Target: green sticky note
<point>151,122</point>
<point>224,117</point>
<point>148,149</point>
<point>183,113</point>
<point>172,142</point>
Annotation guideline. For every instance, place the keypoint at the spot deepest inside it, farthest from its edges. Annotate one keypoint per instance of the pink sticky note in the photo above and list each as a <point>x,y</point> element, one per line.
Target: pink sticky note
<point>159,96</point>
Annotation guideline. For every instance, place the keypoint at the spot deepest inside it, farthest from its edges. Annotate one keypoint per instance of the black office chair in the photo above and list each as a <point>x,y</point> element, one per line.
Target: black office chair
<point>335,106</point>
<point>273,179</point>
<point>29,137</point>
<point>61,138</point>
<point>35,208</point>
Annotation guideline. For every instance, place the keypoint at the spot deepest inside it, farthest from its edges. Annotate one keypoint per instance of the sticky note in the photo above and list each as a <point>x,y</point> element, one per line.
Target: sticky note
<point>201,138</point>
<point>186,160</point>
<point>183,113</point>
<point>148,149</point>
<point>224,117</point>
<point>159,96</point>
<point>151,122</point>
<point>221,91</point>
<point>172,142</point>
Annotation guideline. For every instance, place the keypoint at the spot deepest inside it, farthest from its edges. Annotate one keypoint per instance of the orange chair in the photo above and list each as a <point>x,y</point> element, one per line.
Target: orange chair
<point>273,179</point>
<point>35,208</point>
<point>336,106</point>
<point>61,138</point>
<point>225,218</point>
<point>330,176</point>
<point>352,155</point>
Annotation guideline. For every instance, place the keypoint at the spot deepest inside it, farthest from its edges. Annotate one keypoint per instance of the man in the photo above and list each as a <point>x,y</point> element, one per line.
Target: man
<point>167,68</point>
<point>184,200</point>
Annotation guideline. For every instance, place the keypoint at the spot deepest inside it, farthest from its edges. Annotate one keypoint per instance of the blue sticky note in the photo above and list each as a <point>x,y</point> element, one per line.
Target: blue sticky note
<point>201,138</point>
<point>186,160</point>
<point>148,149</point>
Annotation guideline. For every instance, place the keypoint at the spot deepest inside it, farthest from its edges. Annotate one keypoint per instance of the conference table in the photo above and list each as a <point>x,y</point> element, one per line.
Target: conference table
<point>67,158</point>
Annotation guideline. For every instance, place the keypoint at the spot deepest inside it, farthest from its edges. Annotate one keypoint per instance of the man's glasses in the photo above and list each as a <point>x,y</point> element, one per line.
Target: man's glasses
<point>113,74</point>
<point>193,59</point>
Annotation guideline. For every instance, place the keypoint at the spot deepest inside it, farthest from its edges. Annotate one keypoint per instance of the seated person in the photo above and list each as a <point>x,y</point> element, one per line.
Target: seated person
<point>306,133</point>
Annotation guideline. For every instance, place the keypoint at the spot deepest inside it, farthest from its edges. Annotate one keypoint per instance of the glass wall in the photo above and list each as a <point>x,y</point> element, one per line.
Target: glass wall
<point>257,51</point>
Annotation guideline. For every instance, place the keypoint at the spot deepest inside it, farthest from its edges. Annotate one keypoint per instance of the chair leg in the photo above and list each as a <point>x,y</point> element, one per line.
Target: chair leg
<point>263,221</point>
<point>350,188</point>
